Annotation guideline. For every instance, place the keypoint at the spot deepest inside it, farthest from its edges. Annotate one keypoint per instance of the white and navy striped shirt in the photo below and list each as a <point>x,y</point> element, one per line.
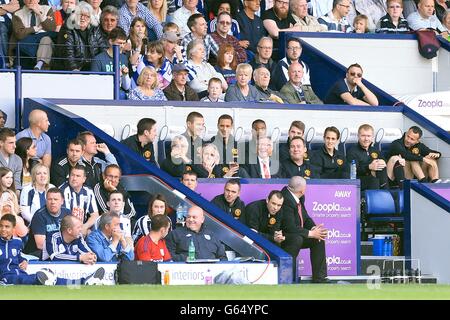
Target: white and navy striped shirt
<point>31,201</point>
<point>57,250</point>
<point>85,199</point>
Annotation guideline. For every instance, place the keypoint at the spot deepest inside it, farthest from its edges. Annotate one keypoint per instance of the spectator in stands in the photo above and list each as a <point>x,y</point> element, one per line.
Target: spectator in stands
<point>8,158</point>
<point>200,71</point>
<point>298,164</point>
<point>261,77</point>
<point>33,196</point>
<point>147,89</point>
<point>13,265</point>
<point>225,6</point>
<point>251,26</point>
<point>264,216</point>
<point>37,131</point>
<point>138,41</point>
<point>304,21</point>
<point>94,166</point>
<point>10,205</point>
<point>79,40</point>
<point>179,160</point>
<point>258,130</point>
<point>6,179</point>
<point>425,19</point>
<point>108,242</point>
<point>370,165</point>
<point>182,15</point>
<point>207,245</point>
<point>111,183</point>
<point>299,231</point>
<point>131,9</point>
<point>446,20</point>
<point>153,247</point>
<point>103,62</point>
<point>96,8</point>
<point>264,53</point>
<point>142,141</point>
<point>296,129</point>
<point>276,19</point>
<point>361,24</point>
<point>266,166</point>
<point>155,59</point>
<point>227,63</point>
<point>230,202</point>
<point>3,118</point>
<point>393,21</point>
<point>172,49</point>
<point>68,244</point>
<point>295,91</point>
<point>243,90</point>
<point>351,90</point>
<point>224,140</point>
<point>61,167</point>
<point>195,126</point>
<point>222,36</point>
<point>280,74</point>
<point>116,205</point>
<point>336,19</point>
<point>328,160</point>
<point>26,150</point>
<point>189,179</point>
<point>108,22</point>
<point>7,8</point>
<point>210,166</point>
<point>34,28</point>
<point>441,6</point>
<point>157,205</point>
<point>62,14</point>
<point>215,93</point>
<point>178,90</point>
<point>46,221</point>
<point>80,199</point>
<point>159,10</point>
<point>412,155</point>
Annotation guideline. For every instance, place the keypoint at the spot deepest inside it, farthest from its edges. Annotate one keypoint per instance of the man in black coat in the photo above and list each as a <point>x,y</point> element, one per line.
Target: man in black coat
<point>300,231</point>
<point>230,202</point>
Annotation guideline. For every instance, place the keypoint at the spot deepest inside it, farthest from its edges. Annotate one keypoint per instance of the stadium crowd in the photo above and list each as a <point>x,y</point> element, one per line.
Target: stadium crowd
<point>74,208</point>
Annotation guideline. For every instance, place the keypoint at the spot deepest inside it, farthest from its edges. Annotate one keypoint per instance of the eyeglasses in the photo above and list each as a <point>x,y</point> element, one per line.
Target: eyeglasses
<point>294,48</point>
<point>265,48</point>
<point>354,74</point>
<point>227,23</point>
<point>285,3</point>
<point>343,5</point>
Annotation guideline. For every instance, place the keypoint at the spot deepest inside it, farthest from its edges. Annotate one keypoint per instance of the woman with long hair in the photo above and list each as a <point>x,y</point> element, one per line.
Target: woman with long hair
<point>26,150</point>
<point>6,180</point>
<point>227,63</point>
<point>9,204</point>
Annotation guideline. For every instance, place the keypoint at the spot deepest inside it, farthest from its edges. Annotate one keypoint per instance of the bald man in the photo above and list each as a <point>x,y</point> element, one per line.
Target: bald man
<point>425,19</point>
<point>39,124</point>
<point>300,231</point>
<point>207,246</point>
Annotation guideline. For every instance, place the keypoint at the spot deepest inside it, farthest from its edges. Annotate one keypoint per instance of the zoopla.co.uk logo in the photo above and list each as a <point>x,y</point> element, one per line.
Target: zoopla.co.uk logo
<point>336,260</point>
<point>334,233</point>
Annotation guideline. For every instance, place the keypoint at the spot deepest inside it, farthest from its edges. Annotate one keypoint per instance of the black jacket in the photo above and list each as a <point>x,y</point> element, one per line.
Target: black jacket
<point>330,167</point>
<point>73,52</point>
<point>363,159</point>
<point>259,218</point>
<point>414,153</point>
<point>237,210</point>
<point>289,169</point>
<point>291,220</point>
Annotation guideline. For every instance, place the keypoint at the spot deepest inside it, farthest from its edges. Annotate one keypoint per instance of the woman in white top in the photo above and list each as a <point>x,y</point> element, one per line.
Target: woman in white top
<point>33,196</point>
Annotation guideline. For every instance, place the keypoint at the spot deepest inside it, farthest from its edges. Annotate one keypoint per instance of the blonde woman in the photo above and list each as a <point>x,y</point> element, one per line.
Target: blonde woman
<point>242,90</point>
<point>147,88</point>
<point>9,204</point>
<point>33,196</point>
<point>159,9</point>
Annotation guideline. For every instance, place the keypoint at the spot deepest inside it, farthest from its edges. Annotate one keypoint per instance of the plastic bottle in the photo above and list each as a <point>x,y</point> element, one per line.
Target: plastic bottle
<point>385,246</point>
<point>191,251</point>
<point>389,246</point>
<point>166,278</point>
<point>181,214</point>
<point>353,170</point>
<point>208,277</point>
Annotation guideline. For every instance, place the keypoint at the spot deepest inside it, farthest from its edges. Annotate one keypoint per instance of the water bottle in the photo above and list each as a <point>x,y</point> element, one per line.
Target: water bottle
<point>386,246</point>
<point>191,251</point>
<point>389,247</point>
<point>208,277</point>
<point>181,214</point>
<point>353,170</point>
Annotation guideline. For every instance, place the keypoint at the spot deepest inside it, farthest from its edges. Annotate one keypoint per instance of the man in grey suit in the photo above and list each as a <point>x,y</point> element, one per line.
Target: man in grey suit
<point>296,92</point>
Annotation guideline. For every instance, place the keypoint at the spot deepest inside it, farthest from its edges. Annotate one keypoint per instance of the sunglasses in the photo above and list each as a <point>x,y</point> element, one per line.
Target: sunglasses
<point>354,74</point>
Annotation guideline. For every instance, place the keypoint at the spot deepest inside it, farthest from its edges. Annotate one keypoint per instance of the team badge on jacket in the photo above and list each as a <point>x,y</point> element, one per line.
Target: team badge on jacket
<point>415,150</point>
<point>339,162</point>
<point>374,155</point>
<point>237,212</point>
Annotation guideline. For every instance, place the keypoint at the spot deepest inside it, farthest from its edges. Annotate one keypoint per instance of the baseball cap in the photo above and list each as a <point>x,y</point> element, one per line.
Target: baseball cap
<point>170,36</point>
<point>179,67</point>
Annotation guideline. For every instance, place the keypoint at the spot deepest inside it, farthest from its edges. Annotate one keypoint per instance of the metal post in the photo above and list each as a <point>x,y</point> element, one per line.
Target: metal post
<point>116,70</point>
<point>18,97</point>
<point>435,70</point>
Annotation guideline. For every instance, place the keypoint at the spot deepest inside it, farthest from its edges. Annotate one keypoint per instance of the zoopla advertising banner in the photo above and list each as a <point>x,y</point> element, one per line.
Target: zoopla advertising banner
<point>334,203</point>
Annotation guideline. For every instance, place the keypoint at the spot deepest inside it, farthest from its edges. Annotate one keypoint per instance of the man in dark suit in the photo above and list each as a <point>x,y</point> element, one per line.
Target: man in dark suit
<point>266,166</point>
<point>300,231</point>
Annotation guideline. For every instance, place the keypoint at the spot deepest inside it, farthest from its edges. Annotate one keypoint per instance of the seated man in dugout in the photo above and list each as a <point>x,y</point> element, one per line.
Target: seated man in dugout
<point>418,160</point>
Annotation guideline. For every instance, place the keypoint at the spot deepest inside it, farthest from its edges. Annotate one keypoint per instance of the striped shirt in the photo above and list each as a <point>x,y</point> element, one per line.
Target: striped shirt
<point>57,249</point>
<point>126,17</point>
<point>208,41</point>
<point>31,200</point>
<point>335,25</point>
<point>84,199</point>
<point>385,25</point>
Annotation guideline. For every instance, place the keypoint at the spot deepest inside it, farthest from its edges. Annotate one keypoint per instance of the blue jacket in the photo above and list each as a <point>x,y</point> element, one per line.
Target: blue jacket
<point>103,249</point>
<point>57,249</point>
<point>207,246</point>
<point>10,257</point>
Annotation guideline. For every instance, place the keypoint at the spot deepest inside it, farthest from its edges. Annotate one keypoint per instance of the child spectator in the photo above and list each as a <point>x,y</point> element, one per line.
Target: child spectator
<point>227,63</point>
<point>155,58</point>
<point>61,15</point>
<point>10,205</point>
<point>215,93</point>
<point>361,24</point>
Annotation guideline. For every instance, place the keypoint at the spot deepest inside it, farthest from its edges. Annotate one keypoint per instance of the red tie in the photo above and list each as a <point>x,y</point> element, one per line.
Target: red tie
<point>299,205</point>
<point>266,171</point>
